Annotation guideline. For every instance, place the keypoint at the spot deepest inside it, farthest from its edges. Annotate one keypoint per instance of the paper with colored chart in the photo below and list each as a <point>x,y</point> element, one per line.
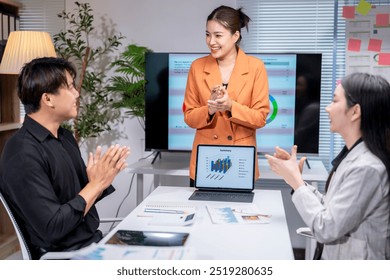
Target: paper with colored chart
<point>238,214</point>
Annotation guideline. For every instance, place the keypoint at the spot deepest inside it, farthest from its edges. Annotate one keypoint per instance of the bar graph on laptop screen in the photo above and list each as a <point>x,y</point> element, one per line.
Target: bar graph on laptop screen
<point>225,167</point>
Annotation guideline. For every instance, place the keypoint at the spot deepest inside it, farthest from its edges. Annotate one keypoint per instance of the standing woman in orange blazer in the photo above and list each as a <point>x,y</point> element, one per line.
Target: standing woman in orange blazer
<point>226,96</point>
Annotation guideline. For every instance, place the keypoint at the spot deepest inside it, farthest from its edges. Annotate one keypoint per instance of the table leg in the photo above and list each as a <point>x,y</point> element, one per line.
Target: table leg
<point>140,188</point>
<point>156,181</point>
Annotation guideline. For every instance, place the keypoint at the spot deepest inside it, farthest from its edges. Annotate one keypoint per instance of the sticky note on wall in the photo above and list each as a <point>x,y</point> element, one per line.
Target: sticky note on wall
<point>354,45</point>
<point>382,20</point>
<point>375,45</point>
<point>363,7</point>
<point>384,59</point>
<point>349,12</point>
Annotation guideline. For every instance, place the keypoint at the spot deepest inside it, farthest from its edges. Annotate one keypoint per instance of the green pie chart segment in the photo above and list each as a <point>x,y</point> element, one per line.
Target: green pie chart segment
<point>273,109</point>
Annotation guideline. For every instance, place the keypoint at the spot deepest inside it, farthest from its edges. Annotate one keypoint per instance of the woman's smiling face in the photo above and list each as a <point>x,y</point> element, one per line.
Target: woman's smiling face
<point>338,111</point>
<point>220,40</point>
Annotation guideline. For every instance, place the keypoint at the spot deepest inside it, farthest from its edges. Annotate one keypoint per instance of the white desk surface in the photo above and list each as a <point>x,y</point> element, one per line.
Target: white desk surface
<point>180,167</point>
<point>216,241</point>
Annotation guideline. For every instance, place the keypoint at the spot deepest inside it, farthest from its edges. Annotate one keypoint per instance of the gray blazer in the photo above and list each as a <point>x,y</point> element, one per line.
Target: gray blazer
<point>352,220</point>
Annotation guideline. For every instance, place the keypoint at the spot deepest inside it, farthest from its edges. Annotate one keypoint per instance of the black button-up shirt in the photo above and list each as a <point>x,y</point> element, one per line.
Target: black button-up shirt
<point>40,177</point>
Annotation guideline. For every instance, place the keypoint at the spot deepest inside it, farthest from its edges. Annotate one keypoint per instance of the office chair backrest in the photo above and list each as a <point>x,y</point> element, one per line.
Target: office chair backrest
<point>26,253</point>
<point>23,244</point>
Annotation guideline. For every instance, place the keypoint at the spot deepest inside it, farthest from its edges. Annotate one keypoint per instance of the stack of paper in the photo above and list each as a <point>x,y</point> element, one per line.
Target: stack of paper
<point>169,213</point>
<point>166,207</point>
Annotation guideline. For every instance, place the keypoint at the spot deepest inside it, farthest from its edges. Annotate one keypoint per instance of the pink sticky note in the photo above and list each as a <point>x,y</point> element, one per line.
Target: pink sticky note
<point>354,45</point>
<point>375,45</point>
<point>349,11</point>
<point>384,59</point>
<point>382,20</point>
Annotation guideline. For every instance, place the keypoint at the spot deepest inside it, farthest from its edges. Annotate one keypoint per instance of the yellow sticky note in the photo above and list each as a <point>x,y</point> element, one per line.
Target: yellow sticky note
<point>363,7</point>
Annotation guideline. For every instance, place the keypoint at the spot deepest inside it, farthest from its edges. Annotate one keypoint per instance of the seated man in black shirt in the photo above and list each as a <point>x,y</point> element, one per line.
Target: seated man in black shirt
<point>42,174</point>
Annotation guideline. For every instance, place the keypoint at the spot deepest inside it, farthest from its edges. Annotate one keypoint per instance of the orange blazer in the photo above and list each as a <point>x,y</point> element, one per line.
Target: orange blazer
<point>248,90</point>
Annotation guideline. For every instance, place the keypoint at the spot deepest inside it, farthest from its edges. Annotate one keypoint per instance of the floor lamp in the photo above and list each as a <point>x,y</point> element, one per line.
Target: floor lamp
<point>21,47</point>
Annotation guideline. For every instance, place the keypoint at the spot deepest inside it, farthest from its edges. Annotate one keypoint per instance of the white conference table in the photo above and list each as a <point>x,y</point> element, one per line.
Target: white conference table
<point>178,165</point>
<point>269,241</point>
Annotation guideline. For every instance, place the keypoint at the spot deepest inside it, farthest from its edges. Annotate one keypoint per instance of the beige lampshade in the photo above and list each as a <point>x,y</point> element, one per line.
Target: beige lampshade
<point>24,46</point>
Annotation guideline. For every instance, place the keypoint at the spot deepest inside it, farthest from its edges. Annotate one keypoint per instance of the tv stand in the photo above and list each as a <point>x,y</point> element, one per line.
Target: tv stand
<point>307,163</point>
<point>158,154</point>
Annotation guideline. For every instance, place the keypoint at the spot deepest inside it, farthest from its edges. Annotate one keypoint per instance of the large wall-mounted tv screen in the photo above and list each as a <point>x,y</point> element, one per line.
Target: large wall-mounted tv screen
<point>294,92</point>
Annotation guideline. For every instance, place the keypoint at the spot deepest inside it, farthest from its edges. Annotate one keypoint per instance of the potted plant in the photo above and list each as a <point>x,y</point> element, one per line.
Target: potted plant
<point>94,106</point>
<point>130,84</point>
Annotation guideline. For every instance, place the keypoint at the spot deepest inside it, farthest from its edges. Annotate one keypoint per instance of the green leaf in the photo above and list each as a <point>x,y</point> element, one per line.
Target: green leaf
<point>129,85</point>
<point>95,111</point>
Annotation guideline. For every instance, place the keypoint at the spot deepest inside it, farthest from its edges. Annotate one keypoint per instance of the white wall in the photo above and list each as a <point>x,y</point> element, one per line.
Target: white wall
<point>163,26</point>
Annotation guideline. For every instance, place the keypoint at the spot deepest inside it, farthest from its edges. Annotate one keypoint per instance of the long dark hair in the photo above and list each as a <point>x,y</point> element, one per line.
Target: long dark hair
<point>232,19</point>
<point>372,93</point>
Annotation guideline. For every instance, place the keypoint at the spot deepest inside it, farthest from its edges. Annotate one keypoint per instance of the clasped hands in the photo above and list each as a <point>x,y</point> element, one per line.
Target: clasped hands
<point>286,166</point>
<point>219,100</point>
<point>102,169</point>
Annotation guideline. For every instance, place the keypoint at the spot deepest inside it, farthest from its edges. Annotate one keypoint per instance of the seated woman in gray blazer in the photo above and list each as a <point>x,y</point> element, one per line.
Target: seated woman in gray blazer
<point>352,219</point>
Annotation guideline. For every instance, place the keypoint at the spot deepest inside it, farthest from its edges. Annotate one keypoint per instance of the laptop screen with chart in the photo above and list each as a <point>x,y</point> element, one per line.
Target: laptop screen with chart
<point>225,169</point>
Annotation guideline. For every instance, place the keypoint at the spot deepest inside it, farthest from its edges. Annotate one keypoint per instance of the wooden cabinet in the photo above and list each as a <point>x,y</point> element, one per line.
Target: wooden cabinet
<point>9,123</point>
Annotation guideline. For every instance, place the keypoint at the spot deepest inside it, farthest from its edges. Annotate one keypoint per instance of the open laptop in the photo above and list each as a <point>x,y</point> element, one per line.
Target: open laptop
<point>224,173</point>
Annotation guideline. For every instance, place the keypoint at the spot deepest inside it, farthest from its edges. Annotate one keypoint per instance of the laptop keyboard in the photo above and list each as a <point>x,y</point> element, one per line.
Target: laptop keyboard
<point>222,196</point>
